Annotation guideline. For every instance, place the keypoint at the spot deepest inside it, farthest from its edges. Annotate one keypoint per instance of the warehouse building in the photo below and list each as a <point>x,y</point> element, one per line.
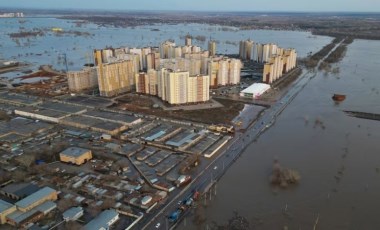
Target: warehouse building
<point>6,209</point>
<point>255,91</point>
<point>75,155</point>
<point>103,221</point>
<point>30,209</point>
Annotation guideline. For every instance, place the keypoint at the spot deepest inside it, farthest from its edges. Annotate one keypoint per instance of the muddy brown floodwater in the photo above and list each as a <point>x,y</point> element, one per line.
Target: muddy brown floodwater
<point>337,156</point>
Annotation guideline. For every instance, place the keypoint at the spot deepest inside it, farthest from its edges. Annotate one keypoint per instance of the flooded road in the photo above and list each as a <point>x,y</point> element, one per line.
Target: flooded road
<point>338,157</point>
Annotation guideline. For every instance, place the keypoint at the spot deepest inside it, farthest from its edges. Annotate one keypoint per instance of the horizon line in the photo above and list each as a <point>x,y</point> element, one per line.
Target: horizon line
<point>180,10</point>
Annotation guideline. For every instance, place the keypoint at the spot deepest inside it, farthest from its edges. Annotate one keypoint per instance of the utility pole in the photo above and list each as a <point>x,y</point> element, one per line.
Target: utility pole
<point>215,189</point>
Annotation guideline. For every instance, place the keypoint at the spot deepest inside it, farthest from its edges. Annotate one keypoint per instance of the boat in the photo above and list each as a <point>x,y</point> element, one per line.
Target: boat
<point>339,97</point>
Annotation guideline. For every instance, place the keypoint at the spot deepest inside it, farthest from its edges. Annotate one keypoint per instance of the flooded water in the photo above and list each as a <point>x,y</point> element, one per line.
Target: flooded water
<point>50,48</point>
<point>338,157</point>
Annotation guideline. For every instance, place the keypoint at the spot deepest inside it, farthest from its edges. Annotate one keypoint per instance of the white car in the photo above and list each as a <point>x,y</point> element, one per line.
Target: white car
<point>158,225</point>
<point>216,167</point>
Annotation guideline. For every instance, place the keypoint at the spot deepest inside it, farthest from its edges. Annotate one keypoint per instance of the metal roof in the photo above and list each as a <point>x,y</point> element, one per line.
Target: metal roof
<point>102,220</point>
<point>74,151</point>
<point>4,206</point>
<point>73,213</point>
<point>40,194</point>
<point>256,89</point>
<point>21,190</point>
<point>19,216</point>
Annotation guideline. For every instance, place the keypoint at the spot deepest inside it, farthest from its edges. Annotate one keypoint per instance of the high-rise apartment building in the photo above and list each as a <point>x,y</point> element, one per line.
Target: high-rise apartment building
<point>81,80</point>
<point>188,40</point>
<point>113,78</point>
<point>279,65</point>
<point>178,87</point>
<point>212,48</point>
<point>224,71</point>
<point>245,49</point>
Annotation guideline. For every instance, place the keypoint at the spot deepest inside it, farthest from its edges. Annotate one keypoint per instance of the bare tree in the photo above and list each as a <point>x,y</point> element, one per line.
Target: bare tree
<point>26,160</point>
<point>73,225</point>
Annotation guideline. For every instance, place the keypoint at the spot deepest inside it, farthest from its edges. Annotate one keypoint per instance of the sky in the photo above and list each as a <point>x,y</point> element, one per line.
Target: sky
<point>203,5</point>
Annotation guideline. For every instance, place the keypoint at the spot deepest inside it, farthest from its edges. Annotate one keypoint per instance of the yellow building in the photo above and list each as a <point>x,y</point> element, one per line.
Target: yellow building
<point>6,209</point>
<point>37,198</point>
<point>278,65</point>
<point>113,78</point>
<point>75,155</point>
<point>57,29</point>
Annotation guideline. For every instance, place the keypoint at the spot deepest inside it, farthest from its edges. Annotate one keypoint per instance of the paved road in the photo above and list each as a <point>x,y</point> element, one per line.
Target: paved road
<point>229,154</point>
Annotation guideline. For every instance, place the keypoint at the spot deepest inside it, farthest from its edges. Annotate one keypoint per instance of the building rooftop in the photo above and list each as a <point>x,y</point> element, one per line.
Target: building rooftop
<point>27,201</point>
<point>13,98</point>
<point>43,112</point>
<point>21,189</point>
<point>256,88</point>
<point>118,117</point>
<point>177,142</point>
<point>74,151</point>
<point>19,216</point>
<point>22,126</point>
<point>61,107</point>
<point>102,220</point>
<point>4,205</point>
<point>72,213</point>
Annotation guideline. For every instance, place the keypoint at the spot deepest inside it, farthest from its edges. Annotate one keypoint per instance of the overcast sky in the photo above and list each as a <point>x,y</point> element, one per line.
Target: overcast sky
<point>204,5</point>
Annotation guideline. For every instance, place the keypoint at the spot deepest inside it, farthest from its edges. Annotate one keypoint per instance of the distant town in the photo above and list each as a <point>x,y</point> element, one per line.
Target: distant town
<point>12,15</point>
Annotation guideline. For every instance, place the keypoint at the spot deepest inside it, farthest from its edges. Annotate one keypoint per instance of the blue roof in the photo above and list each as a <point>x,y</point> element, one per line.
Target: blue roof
<point>102,220</point>
<point>40,194</point>
<point>72,213</point>
<point>19,216</point>
<point>4,205</point>
<point>155,136</point>
<point>182,141</point>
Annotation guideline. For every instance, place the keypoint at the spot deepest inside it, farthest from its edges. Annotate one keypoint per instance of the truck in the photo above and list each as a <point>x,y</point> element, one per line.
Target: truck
<point>175,215</point>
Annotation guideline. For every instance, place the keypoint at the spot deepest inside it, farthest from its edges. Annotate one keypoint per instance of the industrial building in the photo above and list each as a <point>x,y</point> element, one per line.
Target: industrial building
<point>22,127</point>
<point>6,209</point>
<point>255,90</point>
<point>82,80</point>
<point>95,124</point>
<point>115,117</point>
<point>18,191</point>
<point>30,209</point>
<point>75,155</point>
<point>50,111</point>
<point>103,221</point>
<point>19,99</point>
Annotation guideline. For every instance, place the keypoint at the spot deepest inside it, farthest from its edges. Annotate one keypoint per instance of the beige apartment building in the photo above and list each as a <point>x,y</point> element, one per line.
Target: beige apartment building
<point>81,80</point>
